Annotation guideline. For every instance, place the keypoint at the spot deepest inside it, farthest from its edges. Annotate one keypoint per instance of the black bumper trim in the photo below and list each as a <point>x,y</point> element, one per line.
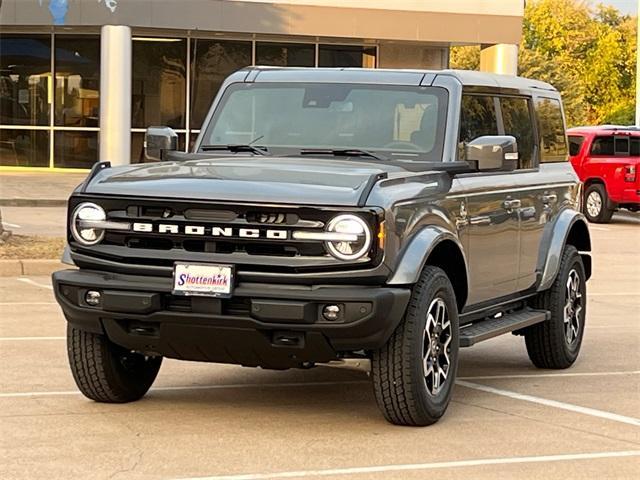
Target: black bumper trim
<point>371,315</point>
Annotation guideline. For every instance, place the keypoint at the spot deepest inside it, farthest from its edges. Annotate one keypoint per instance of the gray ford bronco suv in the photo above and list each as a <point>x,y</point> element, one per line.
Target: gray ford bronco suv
<point>334,214</point>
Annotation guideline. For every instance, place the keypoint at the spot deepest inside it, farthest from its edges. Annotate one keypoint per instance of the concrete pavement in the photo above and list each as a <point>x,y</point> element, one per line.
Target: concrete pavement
<point>35,221</point>
<point>37,189</point>
<point>507,419</point>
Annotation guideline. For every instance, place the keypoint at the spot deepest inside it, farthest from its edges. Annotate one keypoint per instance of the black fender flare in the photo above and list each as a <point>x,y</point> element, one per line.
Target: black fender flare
<point>413,257</point>
<point>554,238</point>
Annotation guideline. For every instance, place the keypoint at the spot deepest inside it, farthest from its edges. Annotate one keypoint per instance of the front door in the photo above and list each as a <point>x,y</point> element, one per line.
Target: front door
<point>493,238</point>
<point>491,209</point>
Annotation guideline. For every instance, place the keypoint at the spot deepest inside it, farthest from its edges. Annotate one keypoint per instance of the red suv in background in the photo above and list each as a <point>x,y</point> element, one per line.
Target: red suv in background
<point>606,159</point>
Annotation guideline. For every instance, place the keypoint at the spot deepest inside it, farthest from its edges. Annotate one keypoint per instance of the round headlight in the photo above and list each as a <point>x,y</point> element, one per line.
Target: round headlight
<point>83,222</point>
<point>349,250</point>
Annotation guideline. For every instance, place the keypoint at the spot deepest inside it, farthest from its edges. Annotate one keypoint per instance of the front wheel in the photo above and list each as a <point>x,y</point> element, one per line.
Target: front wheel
<point>414,372</point>
<point>106,372</point>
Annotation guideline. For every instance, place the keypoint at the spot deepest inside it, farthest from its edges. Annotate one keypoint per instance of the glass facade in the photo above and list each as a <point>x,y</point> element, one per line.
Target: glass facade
<point>346,56</point>
<point>77,68</point>
<point>286,54</point>
<point>24,148</point>
<point>75,149</point>
<point>50,87</point>
<point>211,62</point>
<point>159,87</point>
<point>25,81</point>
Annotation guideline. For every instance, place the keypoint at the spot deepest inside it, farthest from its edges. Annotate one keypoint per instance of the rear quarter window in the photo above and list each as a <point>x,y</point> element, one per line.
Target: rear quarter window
<point>575,144</point>
<point>553,140</point>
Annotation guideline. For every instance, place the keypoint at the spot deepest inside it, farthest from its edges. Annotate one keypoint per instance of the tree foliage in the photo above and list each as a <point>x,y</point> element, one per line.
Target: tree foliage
<point>588,54</point>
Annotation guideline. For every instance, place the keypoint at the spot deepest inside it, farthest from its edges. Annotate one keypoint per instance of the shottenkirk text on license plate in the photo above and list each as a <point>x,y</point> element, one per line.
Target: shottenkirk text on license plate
<point>202,279</point>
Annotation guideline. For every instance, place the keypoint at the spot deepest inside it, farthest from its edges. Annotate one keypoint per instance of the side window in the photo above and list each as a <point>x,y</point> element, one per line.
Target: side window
<point>621,146</point>
<point>553,140</point>
<point>516,118</point>
<point>477,117</point>
<point>634,149</point>
<point>575,143</point>
<point>602,146</point>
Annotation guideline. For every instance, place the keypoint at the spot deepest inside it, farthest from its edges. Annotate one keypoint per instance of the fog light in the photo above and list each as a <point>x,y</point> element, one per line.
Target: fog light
<point>331,312</point>
<point>93,298</point>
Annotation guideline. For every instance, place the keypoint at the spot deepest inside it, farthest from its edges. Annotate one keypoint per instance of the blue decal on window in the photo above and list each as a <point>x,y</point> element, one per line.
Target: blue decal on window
<point>59,8</point>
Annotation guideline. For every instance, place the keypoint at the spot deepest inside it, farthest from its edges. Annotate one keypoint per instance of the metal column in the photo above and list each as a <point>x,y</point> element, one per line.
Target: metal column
<point>500,58</point>
<point>115,94</point>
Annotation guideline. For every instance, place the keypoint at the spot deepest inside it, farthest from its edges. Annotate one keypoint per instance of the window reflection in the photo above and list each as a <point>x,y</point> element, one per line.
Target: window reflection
<point>346,56</point>
<point>75,149</point>
<point>24,148</point>
<point>77,60</point>
<point>212,61</point>
<point>551,124</point>
<point>516,118</point>
<point>159,82</point>
<point>285,54</point>
<point>25,79</point>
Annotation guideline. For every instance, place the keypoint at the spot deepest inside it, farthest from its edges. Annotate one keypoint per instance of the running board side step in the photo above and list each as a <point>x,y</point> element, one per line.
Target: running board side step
<point>492,327</point>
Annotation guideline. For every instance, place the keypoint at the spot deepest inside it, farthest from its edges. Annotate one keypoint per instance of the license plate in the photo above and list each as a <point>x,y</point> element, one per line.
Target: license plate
<point>211,280</point>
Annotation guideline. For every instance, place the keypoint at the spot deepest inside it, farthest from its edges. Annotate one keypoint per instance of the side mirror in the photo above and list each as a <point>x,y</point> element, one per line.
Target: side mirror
<point>493,152</point>
<point>158,140</point>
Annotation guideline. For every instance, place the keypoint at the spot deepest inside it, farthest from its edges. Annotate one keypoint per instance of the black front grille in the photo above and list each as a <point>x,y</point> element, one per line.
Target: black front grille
<point>184,231</point>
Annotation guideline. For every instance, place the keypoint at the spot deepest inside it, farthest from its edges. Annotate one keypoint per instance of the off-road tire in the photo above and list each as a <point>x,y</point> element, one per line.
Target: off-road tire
<point>399,381</point>
<point>546,342</point>
<point>606,211</point>
<point>106,372</point>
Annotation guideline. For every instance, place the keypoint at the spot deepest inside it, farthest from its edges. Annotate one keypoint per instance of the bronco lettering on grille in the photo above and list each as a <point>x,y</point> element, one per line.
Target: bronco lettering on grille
<point>211,231</point>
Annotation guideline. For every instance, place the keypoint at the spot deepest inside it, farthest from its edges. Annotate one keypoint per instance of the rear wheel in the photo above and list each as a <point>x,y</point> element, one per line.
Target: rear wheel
<point>106,372</point>
<point>596,204</point>
<point>414,373</point>
<point>556,342</point>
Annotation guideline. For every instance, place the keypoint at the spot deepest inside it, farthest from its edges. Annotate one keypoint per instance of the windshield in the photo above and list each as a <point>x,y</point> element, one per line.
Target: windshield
<point>399,121</point>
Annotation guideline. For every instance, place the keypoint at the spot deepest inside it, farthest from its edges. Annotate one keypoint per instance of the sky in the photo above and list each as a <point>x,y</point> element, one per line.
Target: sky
<point>625,6</point>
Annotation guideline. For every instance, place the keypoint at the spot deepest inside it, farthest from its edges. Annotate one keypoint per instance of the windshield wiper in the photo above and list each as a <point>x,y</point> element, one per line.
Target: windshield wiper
<point>243,147</point>
<point>343,152</point>
<point>235,148</point>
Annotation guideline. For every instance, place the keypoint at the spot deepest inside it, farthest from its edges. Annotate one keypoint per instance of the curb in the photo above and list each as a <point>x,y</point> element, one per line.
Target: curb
<point>16,268</point>
<point>32,202</point>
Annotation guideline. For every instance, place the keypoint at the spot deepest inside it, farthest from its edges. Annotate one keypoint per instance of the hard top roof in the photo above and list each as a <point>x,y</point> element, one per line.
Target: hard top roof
<point>606,130</point>
<point>468,78</point>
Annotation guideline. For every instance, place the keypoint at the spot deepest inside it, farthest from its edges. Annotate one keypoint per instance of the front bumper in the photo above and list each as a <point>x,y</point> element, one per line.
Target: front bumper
<point>268,325</point>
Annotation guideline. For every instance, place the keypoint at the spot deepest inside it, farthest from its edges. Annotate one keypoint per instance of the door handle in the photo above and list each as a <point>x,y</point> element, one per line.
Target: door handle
<point>483,220</point>
<point>549,198</point>
<point>510,204</point>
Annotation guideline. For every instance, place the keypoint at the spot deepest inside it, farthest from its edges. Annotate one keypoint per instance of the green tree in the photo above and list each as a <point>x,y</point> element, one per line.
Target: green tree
<point>588,54</point>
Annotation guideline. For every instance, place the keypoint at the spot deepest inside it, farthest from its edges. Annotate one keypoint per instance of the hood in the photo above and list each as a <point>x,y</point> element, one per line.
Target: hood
<point>303,181</point>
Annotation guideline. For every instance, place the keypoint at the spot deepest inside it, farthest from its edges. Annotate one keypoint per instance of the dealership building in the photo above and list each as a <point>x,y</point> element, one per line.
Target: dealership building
<point>54,64</point>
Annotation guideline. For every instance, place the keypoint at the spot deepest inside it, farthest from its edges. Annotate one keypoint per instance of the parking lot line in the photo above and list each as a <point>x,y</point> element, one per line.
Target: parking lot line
<point>27,339</point>
<point>461,380</point>
<point>194,387</point>
<point>550,375</point>
<point>6,304</point>
<point>614,294</point>
<point>35,284</point>
<point>553,403</point>
<point>422,466</point>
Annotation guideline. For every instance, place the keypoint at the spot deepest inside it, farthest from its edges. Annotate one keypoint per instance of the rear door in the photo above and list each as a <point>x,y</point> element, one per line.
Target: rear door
<point>550,185</point>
